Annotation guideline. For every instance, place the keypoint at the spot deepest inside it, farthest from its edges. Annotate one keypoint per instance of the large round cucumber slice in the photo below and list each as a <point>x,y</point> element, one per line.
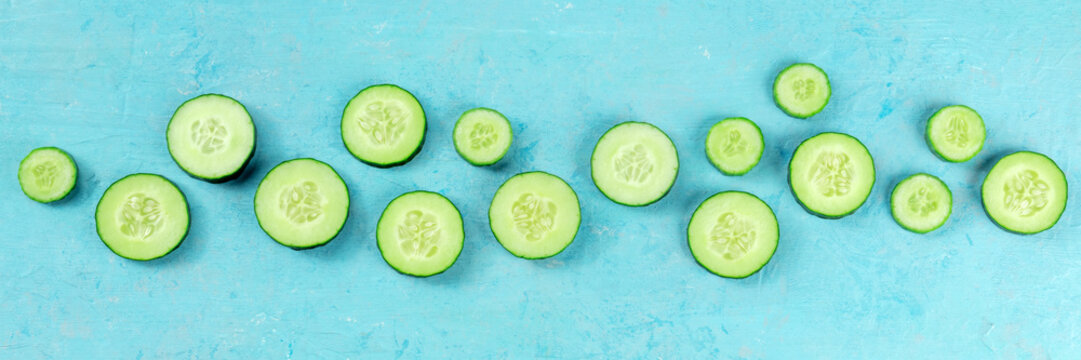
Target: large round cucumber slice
<point>211,137</point>
<point>482,136</point>
<point>733,234</point>
<point>956,133</point>
<point>535,215</point>
<point>634,164</point>
<point>142,217</point>
<point>801,90</point>
<point>420,233</point>
<point>921,203</point>
<point>47,174</point>
<point>734,145</point>
<point>302,203</point>
<point>1025,192</point>
<point>383,126</point>
<point>831,174</point>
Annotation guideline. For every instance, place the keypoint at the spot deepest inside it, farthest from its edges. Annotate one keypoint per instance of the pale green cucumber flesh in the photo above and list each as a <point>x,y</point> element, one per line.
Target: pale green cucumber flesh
<point>383,126</point>
<point>211,137</point>
<point>47,174</point>
<point>482,136</point>
<point>302,203</point>
<point>420,233</point>
<point>142,217</point>
<point>733,234</point>
<point>535,215</point>
<point>734,145</point>
<point>634,164</point>
<point>801,90</point>
<point>921,203</point>
<point>1025,192</point>
<point>831,174</point>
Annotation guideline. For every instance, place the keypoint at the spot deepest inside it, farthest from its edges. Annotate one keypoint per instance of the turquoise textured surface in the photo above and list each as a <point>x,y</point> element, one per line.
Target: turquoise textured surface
<point>101,81</point>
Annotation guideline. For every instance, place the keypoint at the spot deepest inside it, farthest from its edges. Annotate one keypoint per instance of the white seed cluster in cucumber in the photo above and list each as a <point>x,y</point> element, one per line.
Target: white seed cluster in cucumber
<point>634,164</point>
<point>302,203</point>
<point>535,215</point>
<point>801,90</point>
<point>921,203</point>
<point>383,125</point>
<point>733,234</point>
<point>47,174</point>
<point>734,145</point>
<point>211,137</point>
<point>956,133</point>
<point>831,174</point>
<point>142,217</point>
<point>1025,192</point>
<point>420,233</point>
<point>482,136</point>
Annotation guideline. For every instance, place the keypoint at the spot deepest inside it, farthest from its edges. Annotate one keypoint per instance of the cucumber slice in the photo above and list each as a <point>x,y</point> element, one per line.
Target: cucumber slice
<point>734,145</point>
<point>535,215</point>
<point>47,174</point>
<point>634,164</point>
<point>482,136</point>
<point>921,203</point>
<point>383,126</point>
<point>733,234</point>
<point>956,133</point>
<point>1025,192</point>
<point>211,137</point>
<point>302,203</point>
<point>420,233</point>
<point>142,217</point>
<point>831,174</point>
<point>801,90</point>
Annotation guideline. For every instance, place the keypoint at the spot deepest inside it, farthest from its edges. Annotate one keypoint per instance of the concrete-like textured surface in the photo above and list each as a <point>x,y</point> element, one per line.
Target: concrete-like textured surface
<point>101,80</point>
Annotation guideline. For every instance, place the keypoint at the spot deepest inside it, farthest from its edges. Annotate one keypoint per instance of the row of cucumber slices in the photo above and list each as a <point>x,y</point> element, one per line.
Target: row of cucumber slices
<point>303,203</point>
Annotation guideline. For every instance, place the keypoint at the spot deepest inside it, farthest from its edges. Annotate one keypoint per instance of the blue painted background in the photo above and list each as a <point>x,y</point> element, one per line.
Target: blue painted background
<point>101,80</point>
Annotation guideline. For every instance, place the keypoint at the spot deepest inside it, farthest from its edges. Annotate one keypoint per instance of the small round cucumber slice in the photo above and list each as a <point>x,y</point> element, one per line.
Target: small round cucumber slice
<point>801,90</point>
<point>634,164</point>
<point>383,126</point>
<point>733,234</point>
<point>956,133</point>
<point>734,145</point>
<point>831,174</point>
<point>921,203</point>
<point>1025,192</point>
<point>142,217</point>
<point>535,215</point>
<point>211,137</point>
<point>420,233</point>
<point>482,136</point>
<point>302,203</point>
<point>47,174</point>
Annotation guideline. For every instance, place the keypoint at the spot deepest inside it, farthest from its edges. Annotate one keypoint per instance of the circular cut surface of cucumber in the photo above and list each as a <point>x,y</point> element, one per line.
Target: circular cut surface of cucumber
<point>921,203</point>
<point>142,217</point>
<point>383,125</point>
<point>831,174</point>
<point>956,133</point>
<point>420,233</point>
<point>47,174</point>
<point>1025,192</point>
<point>535,215</point>
<point>302,203</point>
<point>734,145</point>
<point>801,90</point>
<point>733,234</point>
<point>634,164</point>
<point>211,137</point>
<point>482,136</point>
